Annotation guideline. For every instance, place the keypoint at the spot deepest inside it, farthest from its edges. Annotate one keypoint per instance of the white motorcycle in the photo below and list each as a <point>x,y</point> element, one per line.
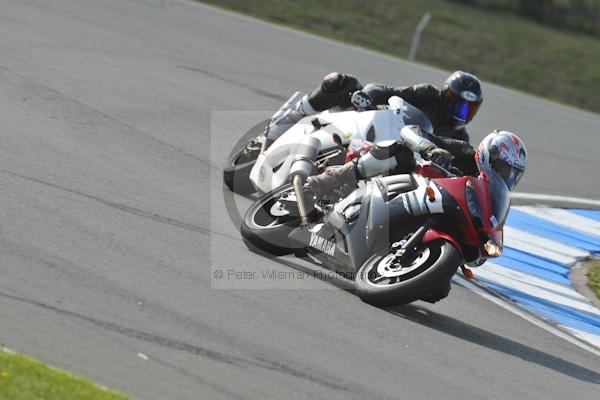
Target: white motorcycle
<point>263,164</point>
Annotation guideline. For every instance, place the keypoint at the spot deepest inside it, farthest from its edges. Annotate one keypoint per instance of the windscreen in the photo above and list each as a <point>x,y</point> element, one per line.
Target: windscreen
<point>414,116</point>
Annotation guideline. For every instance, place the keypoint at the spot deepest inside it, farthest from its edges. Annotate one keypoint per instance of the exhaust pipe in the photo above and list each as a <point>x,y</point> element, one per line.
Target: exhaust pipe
<point>304,166</point>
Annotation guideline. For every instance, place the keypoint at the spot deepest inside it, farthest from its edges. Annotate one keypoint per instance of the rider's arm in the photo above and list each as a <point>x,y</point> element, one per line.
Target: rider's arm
<point>463,152</point>
<point>458,148</point>
<point>368,166</point>
<point>462,134</point>
<point>411,136</point>
<point>379,94</point>
<point>418,95</point>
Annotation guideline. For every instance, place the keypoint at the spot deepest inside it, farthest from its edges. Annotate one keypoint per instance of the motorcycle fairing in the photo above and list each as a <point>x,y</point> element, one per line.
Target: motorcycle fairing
<point>381,219</point>
<point>271,169</point>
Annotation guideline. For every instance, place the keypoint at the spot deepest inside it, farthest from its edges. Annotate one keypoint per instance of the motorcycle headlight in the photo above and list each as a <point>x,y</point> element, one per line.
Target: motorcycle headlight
<point>473,205</point>
<point>492,248</point>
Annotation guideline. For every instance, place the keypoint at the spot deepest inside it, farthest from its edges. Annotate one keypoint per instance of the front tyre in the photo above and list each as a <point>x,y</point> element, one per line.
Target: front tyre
<point>382,281</point>
<point>236,174</point>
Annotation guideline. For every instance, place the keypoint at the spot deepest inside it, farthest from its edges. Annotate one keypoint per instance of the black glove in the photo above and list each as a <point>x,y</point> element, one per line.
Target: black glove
<point>441,157</point>
<point>362,101</point>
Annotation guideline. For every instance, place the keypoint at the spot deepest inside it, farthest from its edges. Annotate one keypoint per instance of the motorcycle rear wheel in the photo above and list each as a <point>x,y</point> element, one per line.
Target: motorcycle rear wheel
<point>263,230</point>
<point>382,283</point>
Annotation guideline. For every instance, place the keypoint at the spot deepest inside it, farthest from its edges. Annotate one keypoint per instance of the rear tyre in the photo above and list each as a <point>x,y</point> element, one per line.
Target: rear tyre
<point>381,281</point>
<point>267,224</point>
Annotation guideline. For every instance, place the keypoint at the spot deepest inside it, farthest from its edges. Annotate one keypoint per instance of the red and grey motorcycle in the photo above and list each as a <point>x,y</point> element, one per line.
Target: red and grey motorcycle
<point>400,237</point>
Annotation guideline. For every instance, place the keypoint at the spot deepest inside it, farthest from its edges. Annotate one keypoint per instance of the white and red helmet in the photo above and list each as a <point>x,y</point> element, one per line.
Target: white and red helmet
<point>505,153</point>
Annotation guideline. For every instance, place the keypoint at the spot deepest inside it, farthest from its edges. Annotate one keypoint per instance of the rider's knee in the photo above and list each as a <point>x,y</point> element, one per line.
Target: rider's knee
<point>405,161</point>
<point>370,86</point>
<point>438,294</point>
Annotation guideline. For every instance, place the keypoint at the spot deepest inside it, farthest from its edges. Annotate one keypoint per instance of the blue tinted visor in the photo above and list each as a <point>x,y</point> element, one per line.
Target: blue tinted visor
<point>460,109</point>
<point>461,112</point>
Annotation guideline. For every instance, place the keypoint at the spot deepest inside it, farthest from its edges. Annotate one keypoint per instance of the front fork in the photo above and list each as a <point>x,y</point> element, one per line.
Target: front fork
<point>408,251</point>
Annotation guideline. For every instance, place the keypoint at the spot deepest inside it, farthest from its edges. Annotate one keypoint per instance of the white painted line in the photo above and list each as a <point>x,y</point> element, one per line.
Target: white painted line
<point>564,218</point>
<point>540,288</point>
<point>577,341</point>
<point>540,246</point>
<point>551,197</point>
<point>588,337</point>
<point>142,356</point>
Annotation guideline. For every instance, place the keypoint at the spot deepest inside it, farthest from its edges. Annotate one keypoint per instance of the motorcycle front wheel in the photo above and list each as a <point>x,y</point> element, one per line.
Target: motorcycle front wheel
<point>383,281</point>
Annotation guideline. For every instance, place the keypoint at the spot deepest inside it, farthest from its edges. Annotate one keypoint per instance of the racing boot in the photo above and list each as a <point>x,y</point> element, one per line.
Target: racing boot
<point>334,91</point>
<point>291,112</point>
<point>325,184</point>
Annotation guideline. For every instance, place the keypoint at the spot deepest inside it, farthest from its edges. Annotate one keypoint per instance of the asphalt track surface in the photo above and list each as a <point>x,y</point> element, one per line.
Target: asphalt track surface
<point>111,219</point>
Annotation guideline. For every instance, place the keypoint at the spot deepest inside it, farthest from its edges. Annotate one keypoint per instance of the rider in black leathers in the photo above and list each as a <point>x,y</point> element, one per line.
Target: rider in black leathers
<point>449,108</point>
<point>450,132</point>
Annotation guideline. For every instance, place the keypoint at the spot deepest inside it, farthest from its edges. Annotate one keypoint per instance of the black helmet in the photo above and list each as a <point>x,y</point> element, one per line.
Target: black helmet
<point>461,97</point>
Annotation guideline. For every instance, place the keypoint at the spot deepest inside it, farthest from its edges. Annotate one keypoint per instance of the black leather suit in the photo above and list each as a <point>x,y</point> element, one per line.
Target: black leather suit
<point>336,91</point>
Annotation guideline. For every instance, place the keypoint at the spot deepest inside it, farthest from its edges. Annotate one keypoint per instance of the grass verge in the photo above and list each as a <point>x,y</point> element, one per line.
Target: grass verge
<point>498,46</point>
<point>24,378</point>
<point>594,277</point>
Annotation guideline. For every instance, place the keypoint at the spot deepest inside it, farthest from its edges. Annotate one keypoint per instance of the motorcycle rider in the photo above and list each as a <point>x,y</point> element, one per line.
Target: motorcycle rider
<point>500,151</point>
<point>449,108</point>
<point>505,153</point>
